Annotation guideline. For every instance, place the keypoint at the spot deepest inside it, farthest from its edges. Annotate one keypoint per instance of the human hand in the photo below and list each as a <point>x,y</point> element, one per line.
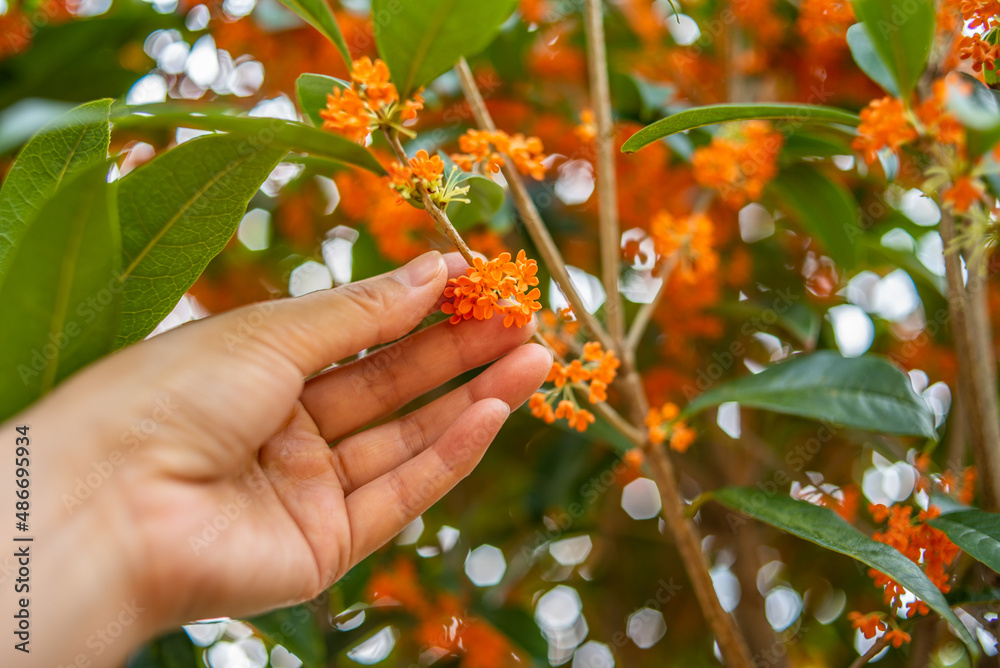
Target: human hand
<point>223,496</point>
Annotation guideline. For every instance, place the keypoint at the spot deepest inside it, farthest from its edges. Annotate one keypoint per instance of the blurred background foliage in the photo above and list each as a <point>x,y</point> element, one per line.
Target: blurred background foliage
<point>553,550</point>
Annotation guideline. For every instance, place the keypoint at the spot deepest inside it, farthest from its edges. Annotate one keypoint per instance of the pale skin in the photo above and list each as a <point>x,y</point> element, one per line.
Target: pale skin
<point>192,476</point>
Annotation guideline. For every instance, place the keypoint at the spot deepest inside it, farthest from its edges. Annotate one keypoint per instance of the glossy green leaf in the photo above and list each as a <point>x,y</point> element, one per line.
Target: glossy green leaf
<point>978,108</point>
<point>860,392</point>
<point>825,528</point>
<point>76,140</point>
<point>823,207</point>
<point>177,212</point>
<point>312,90</point>
<point>296,629</point>
<point>902,32</point>
<point>485,199</point>
<point>257,133</point>
<point>795,114</point>
<point>59,304</point>
<point>319,15</point>
<point>975,531</point>
<point>868,58</point>
<point>422,39</point>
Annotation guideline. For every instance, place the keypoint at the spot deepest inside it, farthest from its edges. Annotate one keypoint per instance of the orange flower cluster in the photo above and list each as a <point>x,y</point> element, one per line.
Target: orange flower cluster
<point>426,172</point>
<point>664,425</point>
<point>483,146</point>
<point>497,286</point>
<point>689,239</point>
<point>823,24</point>
<point>592,373</point>
<point>981,47</point>
<point>963,193</point>
<point>761,18</point>
<point>739,165</point>
<point>443,623</point>
<point>884,124</point>
<point>370,103</point>
<point>921,543</point>
<point>869,624</point>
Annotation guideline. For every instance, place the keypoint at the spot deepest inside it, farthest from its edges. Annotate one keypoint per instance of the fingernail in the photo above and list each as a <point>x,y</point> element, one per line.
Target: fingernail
<point>507,406</point>
<point>421,270</point>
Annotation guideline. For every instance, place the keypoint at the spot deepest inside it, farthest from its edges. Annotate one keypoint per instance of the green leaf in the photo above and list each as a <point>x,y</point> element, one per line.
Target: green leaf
<point>257,133</point>
<point>422,39</point>
<point>312,90</point>
<point>978,108</point>
<point>861,392</point>
<point>868,58</point>
<point>796,114</point>
<point>825,528</point>
<point>59,304</point>
<point>823,207</point>
<point>177,213</point>
<point>975,531</point>
<point>486,198</point>
<point>53,155</point>
<point>296,630</point>
<point>902,32</point>
<point>172,651</point>
<point>318,14</point>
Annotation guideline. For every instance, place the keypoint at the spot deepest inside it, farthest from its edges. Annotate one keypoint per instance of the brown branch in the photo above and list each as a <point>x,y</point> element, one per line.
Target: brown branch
<point>433,210</point>
<point>607,188</point>
<point>976,384</point>
<point>863,660</point>
<point>731,643</point>
<point>529,214</point>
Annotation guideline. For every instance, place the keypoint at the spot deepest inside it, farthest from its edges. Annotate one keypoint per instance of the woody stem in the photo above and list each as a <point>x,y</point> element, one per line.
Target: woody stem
<point>863,660</point>
<point>607,188</point>
<point>731,643</point>
<point>435,212</point>
<point>529,214</point>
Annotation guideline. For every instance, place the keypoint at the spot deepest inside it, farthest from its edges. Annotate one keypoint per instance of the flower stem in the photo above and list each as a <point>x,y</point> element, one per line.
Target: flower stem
<point>529,214</point>
<point>435,212</point>
<point>607,188</point>
<point>863,660</point>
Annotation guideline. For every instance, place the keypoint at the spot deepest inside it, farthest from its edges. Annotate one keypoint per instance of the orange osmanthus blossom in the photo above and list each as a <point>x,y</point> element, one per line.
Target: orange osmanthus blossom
<point>427,172</point>
<point>500,286</point>
<point>489,148</point>
<point>965,192</point>
<point>869,624</point>
<point>664,425</point>
<point>884,125</point>
<point>689,239</point>
<point>740,162</point>
<point>370,103</point>
<point>592,373</point>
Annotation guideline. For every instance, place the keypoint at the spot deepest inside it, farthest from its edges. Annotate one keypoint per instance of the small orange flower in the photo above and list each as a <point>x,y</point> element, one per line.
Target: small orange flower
<point>586,131</point>
<point>369,103</point>
<point>541,408</point>
<point>884,124</point>
<point>581,420</point>
<point>740,164</point>
<point>346,114</point>
<point>963,193</point>
<point>566,409</point>
<point>428,169</point>
<point>598,392</point>
<point>664,426</point>
<point>497,286</point>
<point>897,637</point>
<point>484,146</point>
<point>869,624</point>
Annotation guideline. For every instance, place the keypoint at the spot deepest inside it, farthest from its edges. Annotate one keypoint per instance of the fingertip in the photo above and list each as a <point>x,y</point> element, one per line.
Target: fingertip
<point>421,271</point>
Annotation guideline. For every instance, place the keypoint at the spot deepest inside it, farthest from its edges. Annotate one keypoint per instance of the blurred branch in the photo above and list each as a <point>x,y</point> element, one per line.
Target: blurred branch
<point>433,210</point>
<point>529,214</point>
<point>607,187</point>
<point>863,660</point>
<point>973,338</point>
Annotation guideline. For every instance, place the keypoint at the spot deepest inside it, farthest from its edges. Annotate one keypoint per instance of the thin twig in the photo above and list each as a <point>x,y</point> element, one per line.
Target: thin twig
<point>863,660</point>
<point>433,210</point>
<point>532,219</point>
<point>607,187</point>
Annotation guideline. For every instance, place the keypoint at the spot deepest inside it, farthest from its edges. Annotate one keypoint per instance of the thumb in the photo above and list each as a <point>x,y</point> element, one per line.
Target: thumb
<point>322,327</point>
